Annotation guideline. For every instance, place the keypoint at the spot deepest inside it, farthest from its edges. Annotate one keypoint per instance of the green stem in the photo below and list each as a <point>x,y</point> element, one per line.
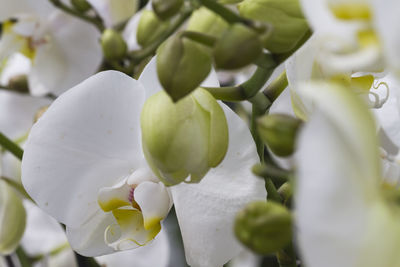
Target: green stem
<point>230,16</point>
<point>273,194</point>
<point>24,259</point>
<point>275,88</point>
<point>10,146</point>
<point>248,89</point>
<point>94,21</point>
<point>138,55</point>
<point>276,174</point>
<point>199,37</point>
<point>287,257</point>
<point>17,186</point>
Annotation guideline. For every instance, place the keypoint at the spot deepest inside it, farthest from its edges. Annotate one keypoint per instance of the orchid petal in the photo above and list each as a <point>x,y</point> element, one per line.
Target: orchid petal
<point>387,22</point>
<point>113,12</point>
<point>130,31</point>
<point>15,7</point>
<point>154,202</point>
<point>129,231</point>
<point>82,143</point>
<point>72,54</point>
<point>335,189</point>
<point>88,239</point>
<point>206,210</point>
<point>154,254</point>
<point>43,233</point>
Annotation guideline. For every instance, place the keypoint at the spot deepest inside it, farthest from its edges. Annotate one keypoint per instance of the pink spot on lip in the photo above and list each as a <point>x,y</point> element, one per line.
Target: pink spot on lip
<point>130,197</point>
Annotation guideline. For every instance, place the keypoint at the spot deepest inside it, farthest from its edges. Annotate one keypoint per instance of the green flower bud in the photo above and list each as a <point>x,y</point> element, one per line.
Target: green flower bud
<point>238,46</point>
<point>184,138</point>
<point>12,219</point>
<point>279,131</point>
<point>166,9</point>
<point>181,66</point>
<point>264,227</point>
<point>150,28</point>
<point>19,83</point>
<point>81,5</point>
<point>205,21</point>
<point>285,17</point>
<point>114,46</point>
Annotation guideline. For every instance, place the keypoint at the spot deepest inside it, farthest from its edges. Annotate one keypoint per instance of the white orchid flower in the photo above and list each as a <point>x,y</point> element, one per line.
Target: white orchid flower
<point>305,66</point>
<point>83,164</point>
<point>345,34</point>
<point>343,217</point>
<point>63,50</point>
<point>114,12</point>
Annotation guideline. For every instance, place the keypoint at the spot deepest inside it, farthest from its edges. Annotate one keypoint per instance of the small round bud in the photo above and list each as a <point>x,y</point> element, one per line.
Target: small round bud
<point>166,9</point>
<point>205,21</point>
<point>81,5</point>
<point>19,83</point>
<point>279,131</point>
<point>12,219</point>
<point>114,46</point>
<point>184,138</point>
<point>150,27</point>
<point>285,17</point>
<point>238,46</point>
<point>181,66</point>
<point>264,227</point>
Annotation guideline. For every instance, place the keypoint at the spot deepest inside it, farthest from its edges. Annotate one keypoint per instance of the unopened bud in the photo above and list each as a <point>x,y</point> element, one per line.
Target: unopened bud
<point>181,66</point>
<point>238,46</point>
<point>285,17</point>
<point>150,27</point>
<point>205,21</point>
<point>279,131</point>
<point>19,83</point>
<point>264,227</point>
<point>114,46</point>
<point>12,219</point>
<point>81,5</point>
<point>166,9</point>
<point>184,138</point>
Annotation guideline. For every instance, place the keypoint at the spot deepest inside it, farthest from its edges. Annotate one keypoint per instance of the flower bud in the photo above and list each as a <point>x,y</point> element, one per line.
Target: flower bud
<point>166,9</point>
<point>12,219</point>
<point>238,46</point>
<point>19,83</point>
<point>279,131</point>
<point>285,17</point>
<point>264,227</point>
<point>184,138</point>
<point>205,21</point>
<point>81,5</point>
<point>181,66</point>
<point>150,27</point>
<point>114,46</point>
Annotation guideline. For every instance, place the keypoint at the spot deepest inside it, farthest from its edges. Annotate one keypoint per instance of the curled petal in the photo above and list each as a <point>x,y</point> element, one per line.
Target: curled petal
<point>113,12</point>
<point>129,232</point>
<point>154,202</point>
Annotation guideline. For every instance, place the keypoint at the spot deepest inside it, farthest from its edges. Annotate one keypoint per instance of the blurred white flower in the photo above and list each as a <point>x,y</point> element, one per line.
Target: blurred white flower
<point>344,215</point>
<point>63,50</point>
